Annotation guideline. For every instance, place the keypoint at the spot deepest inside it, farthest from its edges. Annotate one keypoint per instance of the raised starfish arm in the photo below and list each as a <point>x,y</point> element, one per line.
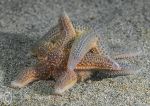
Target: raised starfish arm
<point>80,47</point>
<point>29,75</point>
<point>67,27</point>
<point>83,44</point>
<point>56,37</point>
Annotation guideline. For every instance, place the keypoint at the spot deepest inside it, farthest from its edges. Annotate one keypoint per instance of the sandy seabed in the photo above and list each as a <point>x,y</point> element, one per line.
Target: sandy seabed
<point>127,27</point>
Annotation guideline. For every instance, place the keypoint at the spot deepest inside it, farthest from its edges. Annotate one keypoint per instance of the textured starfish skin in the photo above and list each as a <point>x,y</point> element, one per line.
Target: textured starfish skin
<point>70,53</point>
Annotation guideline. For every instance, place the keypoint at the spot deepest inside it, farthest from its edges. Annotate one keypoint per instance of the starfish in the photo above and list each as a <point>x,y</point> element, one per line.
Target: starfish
<point>70,53</point>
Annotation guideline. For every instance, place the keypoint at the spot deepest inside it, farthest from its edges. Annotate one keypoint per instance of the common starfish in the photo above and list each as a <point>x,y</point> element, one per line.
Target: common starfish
<point>69,53</point>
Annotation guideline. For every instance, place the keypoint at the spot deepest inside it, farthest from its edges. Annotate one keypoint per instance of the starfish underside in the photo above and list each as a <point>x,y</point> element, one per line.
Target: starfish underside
<point>70,52</point>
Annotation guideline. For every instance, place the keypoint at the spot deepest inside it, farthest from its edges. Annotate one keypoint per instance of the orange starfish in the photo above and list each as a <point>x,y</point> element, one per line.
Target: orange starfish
<point>69,53</point>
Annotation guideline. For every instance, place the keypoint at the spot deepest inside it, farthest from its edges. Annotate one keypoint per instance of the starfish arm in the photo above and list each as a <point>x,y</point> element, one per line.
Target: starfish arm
<point>96,61</point>
<point>80,47</point>
<point>56,37</point>
<point>92,40</point>
<point>29,75</point>
<point>64,82</point>
<point>127,55</point>
<point>126,69</point>
<point>68,29</point>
